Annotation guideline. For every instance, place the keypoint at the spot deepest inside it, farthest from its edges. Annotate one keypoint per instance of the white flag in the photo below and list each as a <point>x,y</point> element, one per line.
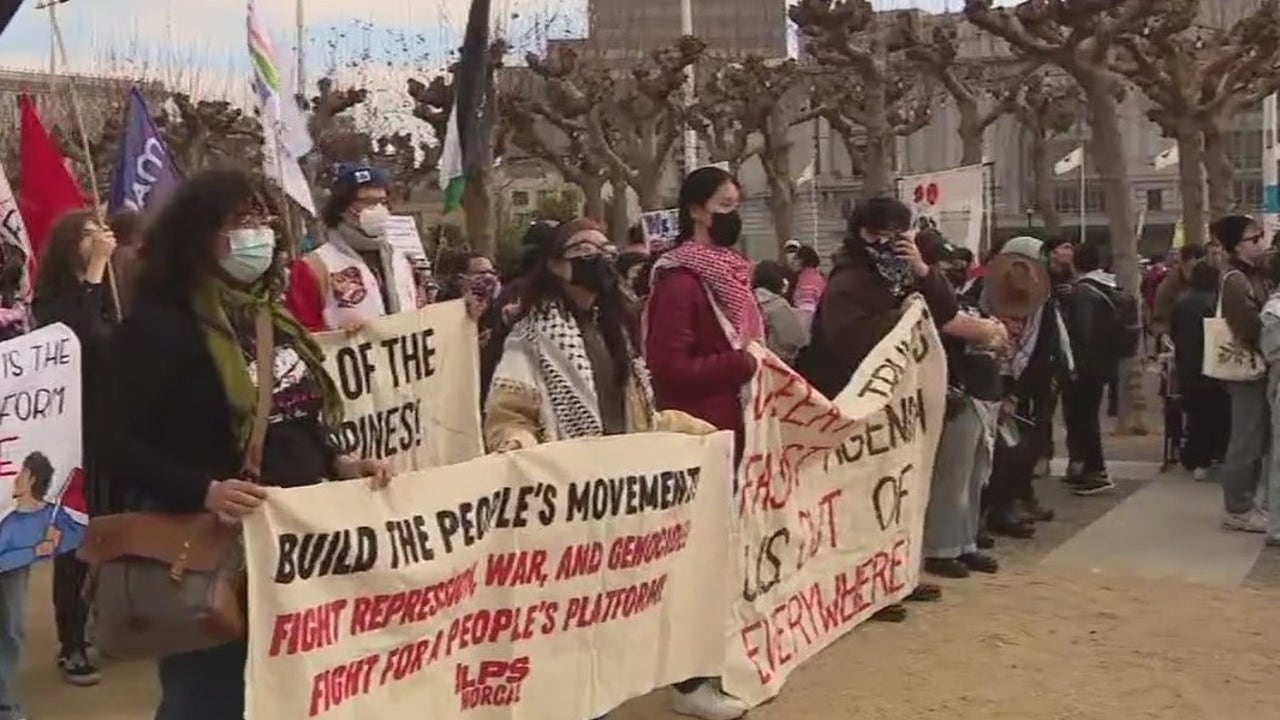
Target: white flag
<point>12,230</point>
<point>1073,160</point>
<point>285,138</point>
<point>1166,159</point>
<point>807,174</point>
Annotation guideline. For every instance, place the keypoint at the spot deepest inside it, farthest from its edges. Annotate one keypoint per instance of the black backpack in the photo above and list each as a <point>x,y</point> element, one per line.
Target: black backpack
<point>1122,328</point>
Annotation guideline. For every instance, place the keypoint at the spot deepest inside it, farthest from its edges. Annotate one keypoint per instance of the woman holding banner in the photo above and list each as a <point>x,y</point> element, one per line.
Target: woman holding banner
<point>74,288</point>
<point>184,389</point>
<point>701,315</point>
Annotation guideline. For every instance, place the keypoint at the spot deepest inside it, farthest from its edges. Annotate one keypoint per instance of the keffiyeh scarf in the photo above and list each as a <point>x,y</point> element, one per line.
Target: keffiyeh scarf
<point>727,277</point>
<point>564,377</point>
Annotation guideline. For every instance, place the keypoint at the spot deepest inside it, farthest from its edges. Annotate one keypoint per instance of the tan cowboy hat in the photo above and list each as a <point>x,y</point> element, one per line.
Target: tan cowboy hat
<point>1017,281</point>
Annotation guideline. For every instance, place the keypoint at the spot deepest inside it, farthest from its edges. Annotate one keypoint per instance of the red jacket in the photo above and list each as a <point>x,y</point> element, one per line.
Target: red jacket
<point>693,366</point>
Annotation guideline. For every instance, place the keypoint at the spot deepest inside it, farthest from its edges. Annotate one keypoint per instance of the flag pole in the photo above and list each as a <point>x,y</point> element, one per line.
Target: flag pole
<point>78,116</point>
<point>813,192</point>
<point>1083,221</point>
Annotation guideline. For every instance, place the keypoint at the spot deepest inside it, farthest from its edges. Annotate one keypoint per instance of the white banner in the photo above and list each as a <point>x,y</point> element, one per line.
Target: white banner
<point>555,582</point>
<point>953,201</point>
<point>12,230</point>
<point>42,503</point>
<point>410,386</point>
<point>831,502</point>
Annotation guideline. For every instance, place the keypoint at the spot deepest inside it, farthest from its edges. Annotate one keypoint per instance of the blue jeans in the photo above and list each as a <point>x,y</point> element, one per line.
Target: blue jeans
<point>1245,467</point>
<point>13,611</point>
<point>203,685</point>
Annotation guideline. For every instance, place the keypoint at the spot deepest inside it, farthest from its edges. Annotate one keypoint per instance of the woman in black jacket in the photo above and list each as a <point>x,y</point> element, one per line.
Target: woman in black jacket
<point>182,397</point>
<point>73,288</point>
<point>1204,400</point>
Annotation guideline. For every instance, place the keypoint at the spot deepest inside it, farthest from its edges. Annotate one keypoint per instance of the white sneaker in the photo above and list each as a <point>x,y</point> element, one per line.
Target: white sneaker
<point>1250,522</point>
<point>707,702</point>
<point>1200,474</point>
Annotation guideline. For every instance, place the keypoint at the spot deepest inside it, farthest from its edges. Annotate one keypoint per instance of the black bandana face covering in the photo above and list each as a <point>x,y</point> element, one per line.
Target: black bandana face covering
<point>892,269</point>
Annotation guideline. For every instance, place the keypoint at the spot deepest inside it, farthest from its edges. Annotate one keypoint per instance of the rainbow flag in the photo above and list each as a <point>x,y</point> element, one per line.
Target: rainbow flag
<point>285,137</point>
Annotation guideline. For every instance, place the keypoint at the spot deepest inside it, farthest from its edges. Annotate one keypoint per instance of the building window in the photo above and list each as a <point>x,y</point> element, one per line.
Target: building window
<point>1244,147</point>
<point>546,197</point>
<point>1248,193</point>
<point>520,198</point>
<point>1066,198</point>
<point>1155,200</point>
<point>570,197</point>
<point>1095,200</point>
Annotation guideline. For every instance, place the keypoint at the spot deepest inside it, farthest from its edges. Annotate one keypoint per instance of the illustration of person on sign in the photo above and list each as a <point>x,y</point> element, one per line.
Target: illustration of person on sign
<point>36,529</point>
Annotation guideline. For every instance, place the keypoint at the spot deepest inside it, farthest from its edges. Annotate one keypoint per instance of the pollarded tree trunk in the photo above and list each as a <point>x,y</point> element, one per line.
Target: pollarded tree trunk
<point>877,178</point>
<point>1103,114</point>
<point>1191,184</point>
<point>1042,171</point>
<point>971,133</point>
<point>592,187</point>
<point>1217,164</point>
<point>775,158</point>
<point>477,211</point>
<point>619,219</point>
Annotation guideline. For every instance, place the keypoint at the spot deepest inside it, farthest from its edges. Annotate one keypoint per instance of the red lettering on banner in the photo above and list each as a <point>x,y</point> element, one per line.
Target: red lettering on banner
<point>514,569</point>
<point>632,551</point>
<point>799,624</point>
<point>376,612</point>
<point>579,560</point>
<point>486,626</point>
<point>8,468</point>
<point>616,604</point>
<point>770,479</point>
<point>307,630</point>
<point>335,686</point>
<point>403,661</point>
<point>791,401</point>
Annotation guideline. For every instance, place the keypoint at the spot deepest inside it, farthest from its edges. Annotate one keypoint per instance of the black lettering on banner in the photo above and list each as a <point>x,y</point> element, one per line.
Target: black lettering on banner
<point>37,404</point>
<point>355,370</point>
<point>888,496</point>
<point>884,432</point>
<point>53,353</point>
<point>310,555</point>
<point>631,495</point>
<point>411,357</point>
<point>890,371</point>
<point>11,364</point>
<point>410,541</point>
<point>383,434</point>
<point>468,523</point>
<point>764,567</point>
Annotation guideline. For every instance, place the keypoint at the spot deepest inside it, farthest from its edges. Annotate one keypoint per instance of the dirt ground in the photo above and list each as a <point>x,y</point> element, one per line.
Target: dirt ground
<point>1022,646</point>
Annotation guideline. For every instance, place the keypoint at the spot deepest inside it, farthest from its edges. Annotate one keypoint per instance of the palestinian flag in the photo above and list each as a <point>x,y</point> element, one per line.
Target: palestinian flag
<point>460,156</point>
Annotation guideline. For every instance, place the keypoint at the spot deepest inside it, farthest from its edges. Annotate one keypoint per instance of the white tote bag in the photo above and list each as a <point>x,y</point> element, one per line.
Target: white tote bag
<point>1224,358</point>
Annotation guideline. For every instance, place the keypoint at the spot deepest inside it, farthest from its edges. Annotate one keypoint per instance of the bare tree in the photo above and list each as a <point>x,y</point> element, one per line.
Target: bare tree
<point>1079,36</point>
<point>1046,107</point>
<point>983,90</point>
<point>748,109</point>
<point>636,127</point>
<point>336,137</point>
<point>873,85</point>
<point>1199,79</point>
<point>548,121</point>
<point>203,132</point>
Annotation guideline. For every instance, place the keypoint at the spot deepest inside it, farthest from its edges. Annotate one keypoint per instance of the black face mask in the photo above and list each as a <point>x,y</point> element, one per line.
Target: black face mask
<point>725,228</point>
<point>592,273</point>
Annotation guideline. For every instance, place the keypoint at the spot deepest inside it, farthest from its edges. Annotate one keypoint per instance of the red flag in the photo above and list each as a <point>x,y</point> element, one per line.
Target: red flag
<point>48,190</point>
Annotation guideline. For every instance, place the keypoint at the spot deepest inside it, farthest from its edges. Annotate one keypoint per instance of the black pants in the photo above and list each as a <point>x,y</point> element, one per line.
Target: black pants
<point>1081,402</point>
<point>1207,408</point>
<point>69,607</point>
<point>1012,473</point>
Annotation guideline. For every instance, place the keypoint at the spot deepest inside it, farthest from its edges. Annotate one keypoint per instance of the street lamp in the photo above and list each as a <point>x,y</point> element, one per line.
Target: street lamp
<point>1030,213</point>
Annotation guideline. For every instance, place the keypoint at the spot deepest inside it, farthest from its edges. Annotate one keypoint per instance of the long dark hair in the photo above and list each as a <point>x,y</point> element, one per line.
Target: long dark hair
<point>62,263</point>
<point>178,251</point>
<point>696,191</point>
<point>617,319</point>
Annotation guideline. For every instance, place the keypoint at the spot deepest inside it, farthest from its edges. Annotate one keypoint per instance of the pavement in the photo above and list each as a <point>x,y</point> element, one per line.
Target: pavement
<point>1158,531</point>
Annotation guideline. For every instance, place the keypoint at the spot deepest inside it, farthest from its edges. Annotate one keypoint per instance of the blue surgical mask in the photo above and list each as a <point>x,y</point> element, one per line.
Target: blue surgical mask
<point>251,253</point>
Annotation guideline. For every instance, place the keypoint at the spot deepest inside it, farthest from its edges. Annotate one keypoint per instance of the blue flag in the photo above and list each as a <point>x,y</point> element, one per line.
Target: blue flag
<point>145,173</point>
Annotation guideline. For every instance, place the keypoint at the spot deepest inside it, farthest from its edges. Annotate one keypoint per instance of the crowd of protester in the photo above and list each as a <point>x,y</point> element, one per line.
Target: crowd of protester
<point>171,344</point>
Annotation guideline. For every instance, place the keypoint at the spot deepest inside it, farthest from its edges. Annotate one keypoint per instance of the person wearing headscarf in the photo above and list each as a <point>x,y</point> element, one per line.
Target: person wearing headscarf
<point>355,275</point>
<point>180,407</point>
<point>1245,288</point>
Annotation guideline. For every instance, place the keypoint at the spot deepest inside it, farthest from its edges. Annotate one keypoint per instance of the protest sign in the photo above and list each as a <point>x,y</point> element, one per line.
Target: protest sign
<point>402,233</point>
<point>831,502</point>
<point>558,581</point>
<point>410,387</point>
<point>661,227</point>
<point>952,201</point>
<point>42,505</point>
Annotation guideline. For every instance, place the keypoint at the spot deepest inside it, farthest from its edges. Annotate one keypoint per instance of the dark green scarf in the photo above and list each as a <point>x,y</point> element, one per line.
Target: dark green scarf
<point>221,310</point>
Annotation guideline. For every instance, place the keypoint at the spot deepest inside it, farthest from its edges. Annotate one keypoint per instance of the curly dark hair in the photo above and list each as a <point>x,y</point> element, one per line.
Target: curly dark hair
<point>61,262</point>
<point>179,249</point>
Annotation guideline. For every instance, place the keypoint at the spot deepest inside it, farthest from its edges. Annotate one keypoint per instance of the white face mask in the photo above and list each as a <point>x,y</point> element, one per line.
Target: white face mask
<point>373,220</point>
<point>251,253</point>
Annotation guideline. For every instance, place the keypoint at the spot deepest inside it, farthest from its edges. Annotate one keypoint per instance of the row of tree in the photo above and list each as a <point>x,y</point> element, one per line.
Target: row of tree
<point>871,76</point>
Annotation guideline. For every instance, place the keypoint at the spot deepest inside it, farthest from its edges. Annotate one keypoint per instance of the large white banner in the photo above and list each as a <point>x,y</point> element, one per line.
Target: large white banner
<point>953,201</point>
<point>410,385</point>
<point>555,582</point>
<point>831,502</point>
<point>42,503</point>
